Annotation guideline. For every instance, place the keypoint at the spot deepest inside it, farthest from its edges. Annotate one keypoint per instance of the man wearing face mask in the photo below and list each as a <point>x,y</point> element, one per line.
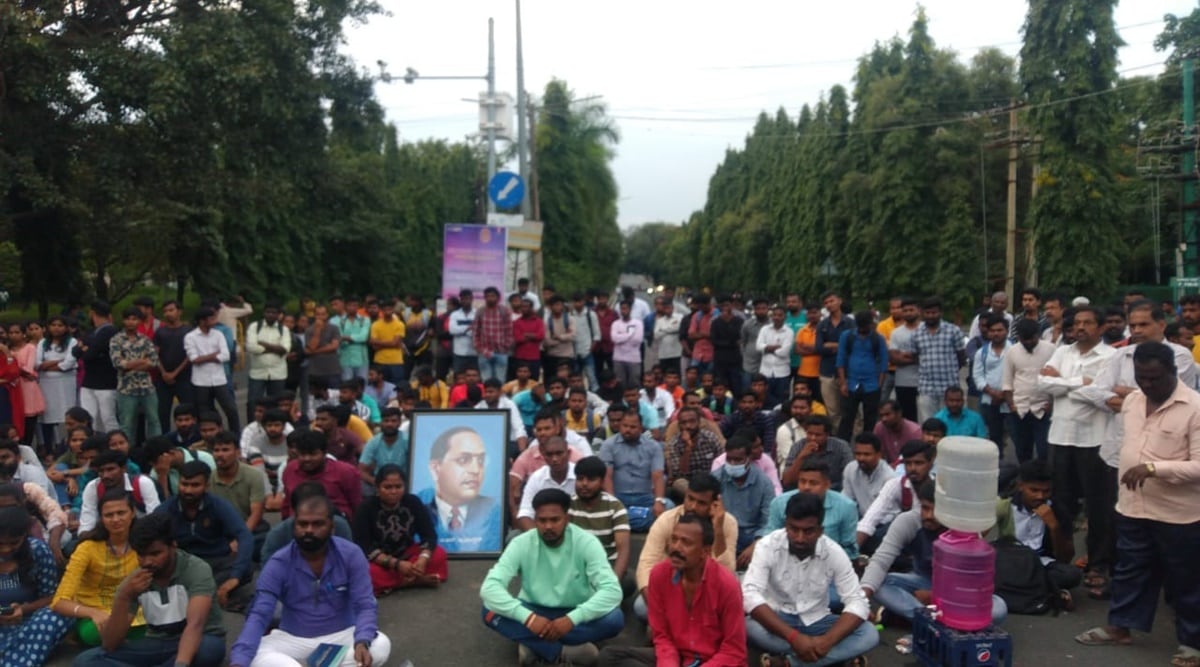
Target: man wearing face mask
<point>746,493</point>
<point>323,582</point>
<point>786,594</point>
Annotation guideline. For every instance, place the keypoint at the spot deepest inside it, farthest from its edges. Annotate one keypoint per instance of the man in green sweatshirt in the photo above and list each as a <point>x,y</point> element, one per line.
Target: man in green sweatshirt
<point>569,595</point>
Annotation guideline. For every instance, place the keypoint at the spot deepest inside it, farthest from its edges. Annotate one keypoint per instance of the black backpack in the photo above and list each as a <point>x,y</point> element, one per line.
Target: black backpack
<point>1021,579</point>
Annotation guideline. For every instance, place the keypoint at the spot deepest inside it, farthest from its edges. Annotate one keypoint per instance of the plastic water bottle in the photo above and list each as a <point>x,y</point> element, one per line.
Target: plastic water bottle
<point>967,473</point>
<point>964,567</point>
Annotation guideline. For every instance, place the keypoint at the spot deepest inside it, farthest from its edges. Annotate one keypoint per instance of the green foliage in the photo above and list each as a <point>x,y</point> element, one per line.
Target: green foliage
<point>577,192</point>
<point>883,189</point>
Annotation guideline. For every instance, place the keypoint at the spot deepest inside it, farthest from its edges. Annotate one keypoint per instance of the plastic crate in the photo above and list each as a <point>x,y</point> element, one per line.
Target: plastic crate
<point>936,645</point>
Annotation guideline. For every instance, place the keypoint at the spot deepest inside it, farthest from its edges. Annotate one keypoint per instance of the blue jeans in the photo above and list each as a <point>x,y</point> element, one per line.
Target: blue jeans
<point>588,366</point>
<point>641,509</point>
<point>896,595</point>
<point>127,412</point>
<point>702,367</point>
<point>496,367</point>
<point>349,372</point>
<point>393,373</point>
<point>605,627</point>
<point>863,639</point>
<point>153,651</point>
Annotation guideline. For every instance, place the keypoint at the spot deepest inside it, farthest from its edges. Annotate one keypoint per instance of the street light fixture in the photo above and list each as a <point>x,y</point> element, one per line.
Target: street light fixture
<point>411,75</point>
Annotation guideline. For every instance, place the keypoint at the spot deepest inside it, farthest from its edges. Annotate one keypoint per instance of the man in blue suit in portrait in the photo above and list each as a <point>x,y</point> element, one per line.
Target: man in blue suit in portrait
<point>465,520</point>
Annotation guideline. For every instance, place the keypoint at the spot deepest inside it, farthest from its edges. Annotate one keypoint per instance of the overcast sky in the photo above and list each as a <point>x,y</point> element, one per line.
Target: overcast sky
<point>683,80</point>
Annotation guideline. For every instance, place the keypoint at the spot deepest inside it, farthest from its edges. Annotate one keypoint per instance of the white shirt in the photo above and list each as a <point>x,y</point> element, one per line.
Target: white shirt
<point>539,480</point>
<point>199,344</point>
<point>264,366</point>
<point>975,324</point>
<point>666,335</point>
<point>786,437</point>
<point>446,511</point>
<point>777,364</point>
<point>862,488</point>
<point>888,504</point>
<point>1030,530</point>
<point>1119,373</point>
<point>89,513</point>
<point>785,583</point>
<point>34,474</point>
<point>1077,422</point>
<point>988,371</point>
<point>254,439</point>
<point>1021,374</point>
<point>516,427</point>
<point>663,403</point>
<point>462,328</point>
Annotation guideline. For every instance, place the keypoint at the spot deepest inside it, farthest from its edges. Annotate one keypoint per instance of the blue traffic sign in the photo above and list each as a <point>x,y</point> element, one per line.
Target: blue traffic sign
<point>506,189</point>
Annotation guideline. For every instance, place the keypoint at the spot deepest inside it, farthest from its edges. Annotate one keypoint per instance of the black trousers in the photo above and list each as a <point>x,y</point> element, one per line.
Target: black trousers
<point>1151,556</point>
<point>1080,475</point>
<point>907,398</point>
<point>628,656</point>
<point>205,396</point>
<point>869,400</point>
<point>995,423</point>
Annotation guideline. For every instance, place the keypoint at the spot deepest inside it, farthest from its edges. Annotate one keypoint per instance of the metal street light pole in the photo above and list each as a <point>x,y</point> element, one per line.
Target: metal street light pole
<point>411,75</point>
<point>522,134</point>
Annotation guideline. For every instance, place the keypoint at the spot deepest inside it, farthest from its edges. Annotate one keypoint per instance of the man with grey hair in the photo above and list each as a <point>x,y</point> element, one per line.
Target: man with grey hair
<point>999,306</point>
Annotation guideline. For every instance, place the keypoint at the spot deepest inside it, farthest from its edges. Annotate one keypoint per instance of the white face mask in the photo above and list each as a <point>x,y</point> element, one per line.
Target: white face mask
<point>735,471</point>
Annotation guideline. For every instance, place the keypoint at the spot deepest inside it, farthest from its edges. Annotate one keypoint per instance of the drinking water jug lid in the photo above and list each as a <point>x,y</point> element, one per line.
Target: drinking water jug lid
<point>958,536</point>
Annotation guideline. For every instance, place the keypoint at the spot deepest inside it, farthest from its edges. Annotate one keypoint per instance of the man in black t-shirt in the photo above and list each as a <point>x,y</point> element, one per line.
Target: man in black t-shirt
<point>174,379</point>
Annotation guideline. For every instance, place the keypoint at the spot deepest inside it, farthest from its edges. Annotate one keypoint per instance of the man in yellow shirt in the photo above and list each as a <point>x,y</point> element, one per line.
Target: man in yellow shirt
<point>387,340</point>
<point>806,347</point>
<point>1190,304</point>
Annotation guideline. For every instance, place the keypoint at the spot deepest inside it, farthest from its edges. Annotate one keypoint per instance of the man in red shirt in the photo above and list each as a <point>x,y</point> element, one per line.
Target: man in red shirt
<point>528,333</point>
<point>602,349</point>
<point>342,482</point>
<point>686,593</point>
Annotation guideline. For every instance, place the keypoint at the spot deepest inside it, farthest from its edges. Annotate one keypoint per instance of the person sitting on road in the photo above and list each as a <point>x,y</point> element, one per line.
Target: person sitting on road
<point>395,531</point>
<point>209,527</point>
<point>703,498</point>
<point>324,585</point>
<point>111,476</point>
<point>242,485</point>
<point>786,592</point>
<point>635,472</point>
<point>101,561</point>
<point>280,534</point>
<point>690,585</point>
<point>342,482</point>
<point>898,495</point>
<point>173,590</point>
<point>569,595</point>
<point>602,515</point>
<point>912,533</point>
<point>30,630</point>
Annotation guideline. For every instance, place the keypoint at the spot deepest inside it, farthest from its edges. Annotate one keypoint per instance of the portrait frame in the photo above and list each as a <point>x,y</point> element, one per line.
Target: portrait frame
<point>475,495</point>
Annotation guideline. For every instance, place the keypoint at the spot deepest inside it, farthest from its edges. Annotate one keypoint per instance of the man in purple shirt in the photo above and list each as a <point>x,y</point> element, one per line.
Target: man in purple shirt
<point>322,582</point>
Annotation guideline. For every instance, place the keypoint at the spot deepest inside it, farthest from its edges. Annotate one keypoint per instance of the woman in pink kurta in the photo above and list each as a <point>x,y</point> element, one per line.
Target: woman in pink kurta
<point>31,393</point>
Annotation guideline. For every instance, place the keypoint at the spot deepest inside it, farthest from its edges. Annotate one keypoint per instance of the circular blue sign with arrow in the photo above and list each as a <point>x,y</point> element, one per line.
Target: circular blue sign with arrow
<point>506,189</point>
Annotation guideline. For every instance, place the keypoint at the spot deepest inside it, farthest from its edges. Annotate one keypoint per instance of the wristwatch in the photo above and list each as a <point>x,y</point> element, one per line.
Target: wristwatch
<point>1149,467</point>
<point>661,500</point>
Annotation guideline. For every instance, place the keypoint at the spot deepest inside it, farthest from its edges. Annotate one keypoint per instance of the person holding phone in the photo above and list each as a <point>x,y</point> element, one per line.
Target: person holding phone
<point>28,577</point>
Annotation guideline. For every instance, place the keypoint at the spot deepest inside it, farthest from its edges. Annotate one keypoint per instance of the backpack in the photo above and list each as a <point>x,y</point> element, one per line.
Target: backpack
<point>137,492</point>
<point>1021,579</point>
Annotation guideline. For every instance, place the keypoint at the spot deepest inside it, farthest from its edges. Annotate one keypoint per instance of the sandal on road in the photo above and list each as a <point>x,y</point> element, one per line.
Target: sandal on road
<point>1186,657</point>
<point>1099,636</point>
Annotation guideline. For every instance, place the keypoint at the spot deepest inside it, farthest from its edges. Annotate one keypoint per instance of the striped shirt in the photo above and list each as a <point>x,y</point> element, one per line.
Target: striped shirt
<point>603,520</point>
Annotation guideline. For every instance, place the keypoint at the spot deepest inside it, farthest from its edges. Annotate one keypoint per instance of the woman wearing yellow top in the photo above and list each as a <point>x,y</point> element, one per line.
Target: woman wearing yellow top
<point>99,564</point>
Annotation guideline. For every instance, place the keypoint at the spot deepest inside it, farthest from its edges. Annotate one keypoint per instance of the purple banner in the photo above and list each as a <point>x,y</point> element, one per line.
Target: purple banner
<point>473,257</point>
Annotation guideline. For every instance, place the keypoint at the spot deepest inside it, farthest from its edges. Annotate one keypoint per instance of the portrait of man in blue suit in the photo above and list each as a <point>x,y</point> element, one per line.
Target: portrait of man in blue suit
<point>466,520</point>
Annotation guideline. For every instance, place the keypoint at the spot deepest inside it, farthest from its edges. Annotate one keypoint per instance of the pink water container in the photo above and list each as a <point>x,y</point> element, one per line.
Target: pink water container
<point>964,569</point>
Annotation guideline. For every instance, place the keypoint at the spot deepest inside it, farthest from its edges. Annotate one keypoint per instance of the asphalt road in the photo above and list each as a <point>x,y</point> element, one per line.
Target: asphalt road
<point>442,628</point>
<point>437,628</point>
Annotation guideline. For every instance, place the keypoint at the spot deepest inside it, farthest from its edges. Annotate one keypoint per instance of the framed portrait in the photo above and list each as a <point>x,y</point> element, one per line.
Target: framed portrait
<point>458,460</point>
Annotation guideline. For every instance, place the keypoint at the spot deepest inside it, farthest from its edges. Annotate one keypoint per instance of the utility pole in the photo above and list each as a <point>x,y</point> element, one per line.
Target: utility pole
<point>1031,272</point>
<point>522,136</point>
<point>491,109</point>
<point>532,196</point>
<point>1188,166</point>
<point>1010,236</point>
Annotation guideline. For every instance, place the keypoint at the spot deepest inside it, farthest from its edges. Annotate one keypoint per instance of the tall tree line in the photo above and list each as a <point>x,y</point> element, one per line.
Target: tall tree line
<point>229,147</point>
<point>882,189</point>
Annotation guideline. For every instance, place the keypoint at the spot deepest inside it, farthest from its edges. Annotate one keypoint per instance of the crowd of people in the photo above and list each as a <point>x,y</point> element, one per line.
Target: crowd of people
<point>780,459</point>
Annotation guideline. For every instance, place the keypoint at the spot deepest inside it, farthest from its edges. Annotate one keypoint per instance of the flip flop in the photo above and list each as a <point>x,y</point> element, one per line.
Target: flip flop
<point>1098,636</point>
<point>1186,656</point>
